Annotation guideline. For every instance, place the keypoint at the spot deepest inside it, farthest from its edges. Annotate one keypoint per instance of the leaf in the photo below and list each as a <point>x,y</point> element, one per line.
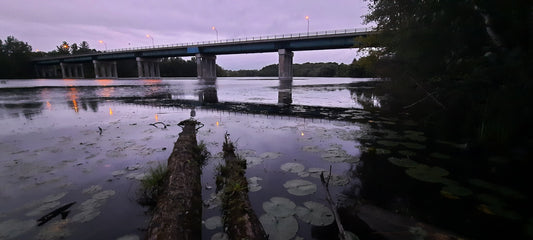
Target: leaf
<point>213,222</point>
<point>279,228</point>
<point>279,207</point>
<point>315,213</point>
<point>292,167</point>
<point>300,187</point>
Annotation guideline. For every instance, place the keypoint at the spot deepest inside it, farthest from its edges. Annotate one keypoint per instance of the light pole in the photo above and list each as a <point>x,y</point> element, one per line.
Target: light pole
<point>307,18</point>
<point>149,36</point>
<point>105,44</point>
<point>215,31</point>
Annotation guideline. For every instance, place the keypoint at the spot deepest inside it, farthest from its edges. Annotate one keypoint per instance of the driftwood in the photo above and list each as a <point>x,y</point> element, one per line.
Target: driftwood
<point>325,182</point>
<point>239,218</point>
<point>178,213</point>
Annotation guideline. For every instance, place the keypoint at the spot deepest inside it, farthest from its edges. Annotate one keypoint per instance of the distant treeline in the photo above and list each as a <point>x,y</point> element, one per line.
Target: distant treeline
<point>358,68</point>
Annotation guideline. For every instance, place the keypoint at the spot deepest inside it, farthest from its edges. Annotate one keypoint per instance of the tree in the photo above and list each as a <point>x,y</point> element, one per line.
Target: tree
<point>15,59</point>
<point>463,57</point>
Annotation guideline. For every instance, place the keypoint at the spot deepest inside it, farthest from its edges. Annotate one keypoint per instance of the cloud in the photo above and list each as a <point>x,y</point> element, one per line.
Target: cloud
<point>125,23</point>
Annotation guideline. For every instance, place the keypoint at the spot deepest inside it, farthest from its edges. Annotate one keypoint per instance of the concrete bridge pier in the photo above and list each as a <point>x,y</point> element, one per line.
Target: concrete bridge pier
<point>285,64</point>
<point>72,70</point>
<point>105,69</point>
<point>206,66</point>
<point>148,67</point>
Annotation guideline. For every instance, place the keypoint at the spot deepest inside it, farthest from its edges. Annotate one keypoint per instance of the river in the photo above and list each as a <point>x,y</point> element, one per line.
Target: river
<point>89,142</point>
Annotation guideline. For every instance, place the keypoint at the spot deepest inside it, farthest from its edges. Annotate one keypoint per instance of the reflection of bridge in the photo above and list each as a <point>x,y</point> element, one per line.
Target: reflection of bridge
<point>105,63</point>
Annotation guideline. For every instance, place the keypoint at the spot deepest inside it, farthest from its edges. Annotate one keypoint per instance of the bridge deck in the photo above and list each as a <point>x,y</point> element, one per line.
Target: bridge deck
<point>333,39</point>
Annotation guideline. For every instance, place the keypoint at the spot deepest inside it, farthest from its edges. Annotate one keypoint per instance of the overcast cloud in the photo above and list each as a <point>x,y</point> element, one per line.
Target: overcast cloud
<point>125,23</point>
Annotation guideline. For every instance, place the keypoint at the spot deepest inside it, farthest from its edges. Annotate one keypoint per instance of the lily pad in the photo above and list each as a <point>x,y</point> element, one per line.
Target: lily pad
<point>213,222</point>
<point>129,237</point>
<point>407,153</point>
<point>92,189</point>
<point>43,208</point>
<point>54,197</point>
<point>403,162</point>
<point>502,190</point>
<point>292,167</point>
<point>315,213</point>
<point>252,161</point>
<point>104,194</point>
<point>381,151</point>
<point>440,156</point>
<point>315,172</point>
<point>426,173</point>
<point>270,155</point>
<point>279,207</point>
<point>339,180</point>
<point>387,143</point>
<point>300,187</point>
<point>303,174</point>
<point>10,229</point>
<point>310,149</point>
<point>85,216</point>
<point>253,184</point>
<point>457,190</point>
<point>411,145</point>
<point>220,236</point>
<point>246,152</point>
<point>279,228</point>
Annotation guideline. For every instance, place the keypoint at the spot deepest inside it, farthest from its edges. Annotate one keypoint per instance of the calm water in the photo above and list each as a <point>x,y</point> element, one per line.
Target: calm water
<point>90,142</point>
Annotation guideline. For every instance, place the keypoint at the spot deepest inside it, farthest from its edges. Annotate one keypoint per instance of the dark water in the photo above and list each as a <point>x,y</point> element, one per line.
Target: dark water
<point>90,141</point>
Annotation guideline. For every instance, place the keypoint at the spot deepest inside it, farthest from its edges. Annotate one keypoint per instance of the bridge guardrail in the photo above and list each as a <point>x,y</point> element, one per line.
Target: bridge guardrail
<point>246,39</point>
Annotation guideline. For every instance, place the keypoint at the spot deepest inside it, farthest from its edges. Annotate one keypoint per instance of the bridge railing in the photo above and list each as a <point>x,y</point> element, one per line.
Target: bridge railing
<point>247,39</point>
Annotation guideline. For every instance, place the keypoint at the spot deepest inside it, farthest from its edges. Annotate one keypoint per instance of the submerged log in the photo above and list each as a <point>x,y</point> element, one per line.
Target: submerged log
<point>239,218</point>
<point>178,213</point>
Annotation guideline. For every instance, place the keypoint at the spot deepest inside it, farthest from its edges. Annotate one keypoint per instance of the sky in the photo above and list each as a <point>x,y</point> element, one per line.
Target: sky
<point>125,23</point>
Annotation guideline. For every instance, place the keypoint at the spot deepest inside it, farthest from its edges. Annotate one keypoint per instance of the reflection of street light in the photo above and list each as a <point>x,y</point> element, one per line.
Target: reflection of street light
<point>215,31</point>
<point>102,42</point>
<point>149,36</point>
<point>65,46</point>
<point>307,18</point>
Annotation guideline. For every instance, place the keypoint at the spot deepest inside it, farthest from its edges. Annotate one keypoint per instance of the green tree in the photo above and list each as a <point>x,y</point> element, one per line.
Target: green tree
<point>461,57</point>
<point>15,59</point>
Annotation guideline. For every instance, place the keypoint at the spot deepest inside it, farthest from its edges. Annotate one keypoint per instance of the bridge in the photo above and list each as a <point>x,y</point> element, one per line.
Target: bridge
<point>148,58</point>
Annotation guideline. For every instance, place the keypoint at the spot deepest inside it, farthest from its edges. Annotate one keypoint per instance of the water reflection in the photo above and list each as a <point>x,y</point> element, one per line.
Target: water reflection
<point>285,92</point>
<point>208,91</point>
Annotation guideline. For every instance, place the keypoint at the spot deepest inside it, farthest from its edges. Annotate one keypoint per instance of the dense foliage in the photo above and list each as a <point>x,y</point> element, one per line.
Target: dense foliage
<point>464,66</point>
<point>15,58</point>
<point>358,68</point>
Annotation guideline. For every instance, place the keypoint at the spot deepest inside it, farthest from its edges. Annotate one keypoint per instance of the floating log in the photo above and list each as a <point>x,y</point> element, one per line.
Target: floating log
<point>239,218</point>
<point>178,213</point>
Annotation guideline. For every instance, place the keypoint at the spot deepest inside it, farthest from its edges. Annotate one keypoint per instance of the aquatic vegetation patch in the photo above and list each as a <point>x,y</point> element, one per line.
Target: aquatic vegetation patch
<point>152,185</point>
<point>426,173</point>
<point>270,155</point>
<point>55,230</point>
<point>382,151</point>
<point>339,180</point>
<point>336,154</point>
<point>315,214</point>
<point>502,190</point>
<point>279,207</point>
<point>388,143</point>
<point>440,156</point>
<point>456,190</point>
<point>129,237</point>
<point>300,187</point>
<point>213,222</point>
<point>279,228</point>
<point>253,184</point>
<point>292,167</point>
<point>11,229</point>
<point>495,206</point>
<point>403,162</point>
<point>310,149</point>
<point>407,153</point>
<point>220,236</point>
<point>315,172</point>
<point>92,189</point>
<point>253,161</point>
<point>416,146</point>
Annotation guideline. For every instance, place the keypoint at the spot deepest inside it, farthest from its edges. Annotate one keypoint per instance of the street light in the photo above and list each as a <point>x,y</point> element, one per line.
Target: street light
<point>149,36</point>
<point>105,44</point>
<point>307,18</point>
<point>215,31</point>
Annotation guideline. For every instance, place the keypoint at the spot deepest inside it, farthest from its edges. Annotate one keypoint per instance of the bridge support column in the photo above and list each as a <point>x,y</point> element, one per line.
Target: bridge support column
<point>285,64</point>
<point>72,70</point>
<point>206,66</point>
<point>208,91</point>
<point>47,71</point>
<point>105,69</point>
<point>148,67</point>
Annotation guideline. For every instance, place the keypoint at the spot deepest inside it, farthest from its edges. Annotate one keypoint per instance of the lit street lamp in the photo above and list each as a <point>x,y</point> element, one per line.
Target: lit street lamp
<point>105,44</point>
<point>149,36</point>
<point>307,18</point>
<point>215,31</point>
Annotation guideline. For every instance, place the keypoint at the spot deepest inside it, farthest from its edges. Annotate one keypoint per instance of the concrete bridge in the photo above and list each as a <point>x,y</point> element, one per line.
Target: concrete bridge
<point>148,58</point>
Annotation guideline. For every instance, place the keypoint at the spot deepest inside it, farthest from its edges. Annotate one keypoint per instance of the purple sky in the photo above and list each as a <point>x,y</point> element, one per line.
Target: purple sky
<point>125,23</point>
